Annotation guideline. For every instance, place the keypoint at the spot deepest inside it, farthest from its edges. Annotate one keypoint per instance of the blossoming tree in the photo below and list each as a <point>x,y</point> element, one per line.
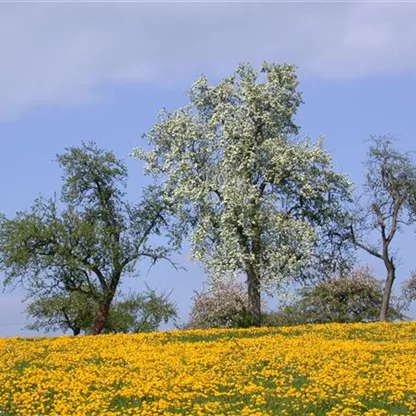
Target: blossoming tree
<point>257,199</point>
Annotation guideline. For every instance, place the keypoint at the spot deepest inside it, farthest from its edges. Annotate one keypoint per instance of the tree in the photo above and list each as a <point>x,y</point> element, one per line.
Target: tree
<point>141,312</point>
<point>257,200</point>
<point>354,298</point>
<point>390,188</point>
<point>87,246</point>
<point>60,312</point>
<point>76,312</point>
<point>220,305</point>
<point>409,290</point>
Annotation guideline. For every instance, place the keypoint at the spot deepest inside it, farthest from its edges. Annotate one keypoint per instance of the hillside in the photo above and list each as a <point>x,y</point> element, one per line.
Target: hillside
<point>336,369</point>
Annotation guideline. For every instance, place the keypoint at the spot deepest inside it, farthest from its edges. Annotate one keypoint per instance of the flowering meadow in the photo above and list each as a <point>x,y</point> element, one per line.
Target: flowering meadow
<point>333,370</point>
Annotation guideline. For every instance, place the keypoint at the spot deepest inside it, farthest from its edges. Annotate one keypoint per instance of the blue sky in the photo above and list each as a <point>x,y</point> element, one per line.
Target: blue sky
<point>101,71</point>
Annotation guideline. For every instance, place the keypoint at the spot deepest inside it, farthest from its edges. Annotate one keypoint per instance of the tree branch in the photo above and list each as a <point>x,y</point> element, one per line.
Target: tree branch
<point>363,246</point>
<point>394,220</point>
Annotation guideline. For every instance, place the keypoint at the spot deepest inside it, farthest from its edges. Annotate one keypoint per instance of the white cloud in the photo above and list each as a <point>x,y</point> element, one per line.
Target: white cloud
<point>64,53</point>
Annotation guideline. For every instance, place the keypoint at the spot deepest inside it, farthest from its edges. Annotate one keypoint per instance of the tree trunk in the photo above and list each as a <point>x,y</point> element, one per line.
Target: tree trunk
<point>254,297</point>
<point>109,292</point>
<point>101,317</point>
<point>387,291</point>
<point>76,331</point>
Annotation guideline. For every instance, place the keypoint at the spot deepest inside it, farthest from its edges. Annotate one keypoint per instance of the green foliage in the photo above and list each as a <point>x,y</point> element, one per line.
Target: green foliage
<point>62,312</point>
<point>92,175</point>
<point>88,240</point>
<point>142,312</point>
<point>354,298</point>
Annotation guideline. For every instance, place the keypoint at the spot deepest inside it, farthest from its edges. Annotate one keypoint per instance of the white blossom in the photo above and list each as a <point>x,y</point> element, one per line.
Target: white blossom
<point>255,194</point>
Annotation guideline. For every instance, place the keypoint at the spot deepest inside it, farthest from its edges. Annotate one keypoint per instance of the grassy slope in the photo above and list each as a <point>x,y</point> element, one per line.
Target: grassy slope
<point>359,369</point>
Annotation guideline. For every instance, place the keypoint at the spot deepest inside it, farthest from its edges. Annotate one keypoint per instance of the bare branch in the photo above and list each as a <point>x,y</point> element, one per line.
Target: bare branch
<point>363,246</point>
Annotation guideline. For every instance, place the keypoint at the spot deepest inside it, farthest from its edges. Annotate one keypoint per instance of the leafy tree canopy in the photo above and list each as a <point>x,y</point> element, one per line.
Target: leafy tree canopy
<point>76,311</point>
<point>87,240</point>
<point>258,200</point>
<point>356,297</point>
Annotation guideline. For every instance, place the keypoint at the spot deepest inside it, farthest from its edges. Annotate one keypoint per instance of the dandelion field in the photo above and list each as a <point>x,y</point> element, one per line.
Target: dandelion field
<point>332,370</point>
